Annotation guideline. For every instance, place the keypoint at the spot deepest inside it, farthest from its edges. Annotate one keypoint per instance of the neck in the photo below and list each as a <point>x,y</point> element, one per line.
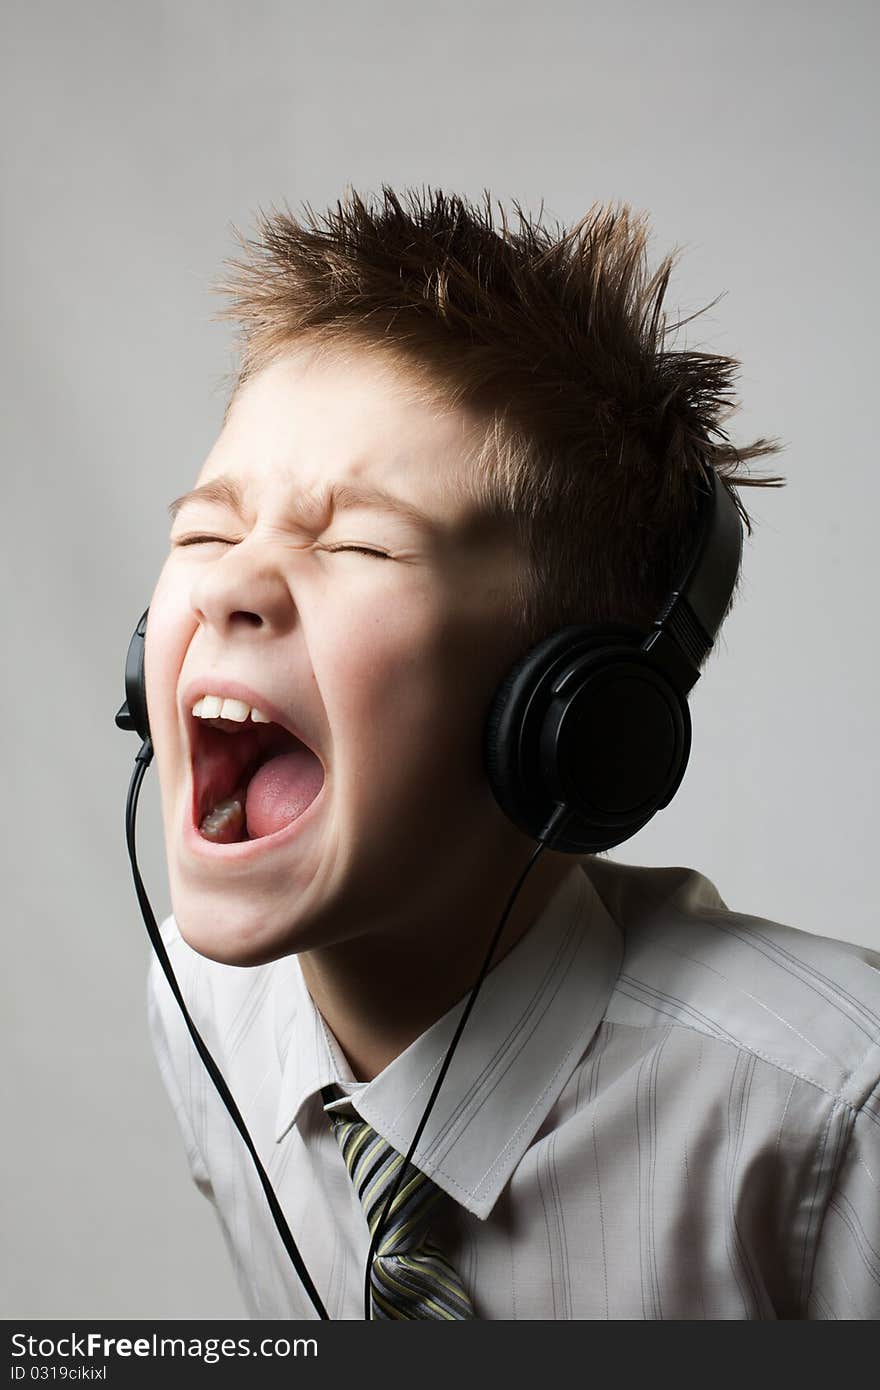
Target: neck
<point>380,991</point>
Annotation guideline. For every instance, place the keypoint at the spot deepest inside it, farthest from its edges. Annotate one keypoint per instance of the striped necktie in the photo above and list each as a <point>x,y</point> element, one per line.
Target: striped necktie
<point>411,1277</point>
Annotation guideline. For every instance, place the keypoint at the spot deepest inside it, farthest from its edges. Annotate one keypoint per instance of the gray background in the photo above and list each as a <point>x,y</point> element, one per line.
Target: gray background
<point>135,134</point>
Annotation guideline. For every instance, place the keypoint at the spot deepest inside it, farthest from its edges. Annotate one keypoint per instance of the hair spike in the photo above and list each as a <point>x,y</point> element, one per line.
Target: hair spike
<point>596,430</point>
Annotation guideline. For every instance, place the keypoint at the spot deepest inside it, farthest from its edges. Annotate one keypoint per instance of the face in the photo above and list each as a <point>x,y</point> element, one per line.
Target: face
<point>383,663</point>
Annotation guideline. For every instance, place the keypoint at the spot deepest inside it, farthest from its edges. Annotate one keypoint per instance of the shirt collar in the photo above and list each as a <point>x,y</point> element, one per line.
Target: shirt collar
<point>534,1016</point>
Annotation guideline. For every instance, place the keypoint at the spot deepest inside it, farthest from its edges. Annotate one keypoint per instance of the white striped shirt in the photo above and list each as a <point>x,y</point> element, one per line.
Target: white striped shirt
<point>658,1108</point>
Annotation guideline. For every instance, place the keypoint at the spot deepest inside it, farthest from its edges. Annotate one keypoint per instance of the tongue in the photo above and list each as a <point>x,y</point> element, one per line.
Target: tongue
<point>281,790</point>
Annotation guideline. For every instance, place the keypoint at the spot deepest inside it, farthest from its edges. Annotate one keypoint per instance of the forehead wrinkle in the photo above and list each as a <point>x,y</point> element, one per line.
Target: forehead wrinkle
<point>333,497</point>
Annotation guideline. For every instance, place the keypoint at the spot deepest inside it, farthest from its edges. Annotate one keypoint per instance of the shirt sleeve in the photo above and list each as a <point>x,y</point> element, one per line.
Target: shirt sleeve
<point>846,1271</point>
<point>162,1048</point>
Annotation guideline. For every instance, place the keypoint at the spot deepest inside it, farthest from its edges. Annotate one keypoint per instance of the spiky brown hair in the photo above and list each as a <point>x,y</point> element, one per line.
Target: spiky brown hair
<point>596,432</point>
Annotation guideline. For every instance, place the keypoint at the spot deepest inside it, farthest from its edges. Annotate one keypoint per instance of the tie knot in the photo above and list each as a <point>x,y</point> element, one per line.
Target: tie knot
<point>373,1166</point>
<point>410,1276</point>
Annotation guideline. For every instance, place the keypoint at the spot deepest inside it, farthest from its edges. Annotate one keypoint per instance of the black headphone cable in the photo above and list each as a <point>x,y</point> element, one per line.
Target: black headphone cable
<point>555,825</point>
<point>559,818</point>
<point>142,761</point>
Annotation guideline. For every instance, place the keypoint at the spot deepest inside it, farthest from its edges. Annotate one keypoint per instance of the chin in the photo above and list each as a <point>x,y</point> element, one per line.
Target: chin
<point>229,935</point>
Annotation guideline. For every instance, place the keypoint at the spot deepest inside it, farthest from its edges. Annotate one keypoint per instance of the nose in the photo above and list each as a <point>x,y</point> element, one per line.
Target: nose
<point>243,589</point>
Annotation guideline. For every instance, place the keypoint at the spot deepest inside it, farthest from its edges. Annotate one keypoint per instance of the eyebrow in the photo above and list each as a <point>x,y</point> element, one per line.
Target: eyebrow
<point>338,496</point>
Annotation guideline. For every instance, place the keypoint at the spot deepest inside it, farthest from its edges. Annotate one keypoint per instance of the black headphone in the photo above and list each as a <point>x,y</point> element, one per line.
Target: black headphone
<point>596,715</point>
<point>586,738</point>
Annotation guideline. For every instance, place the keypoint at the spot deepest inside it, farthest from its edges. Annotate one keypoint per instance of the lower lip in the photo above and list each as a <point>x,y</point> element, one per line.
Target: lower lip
<point>245,851</point>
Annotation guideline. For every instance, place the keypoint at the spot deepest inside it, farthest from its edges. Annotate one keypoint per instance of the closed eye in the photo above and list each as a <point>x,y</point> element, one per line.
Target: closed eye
<point>221,540</point>
<point>361,550</point>
<point>201,540</point>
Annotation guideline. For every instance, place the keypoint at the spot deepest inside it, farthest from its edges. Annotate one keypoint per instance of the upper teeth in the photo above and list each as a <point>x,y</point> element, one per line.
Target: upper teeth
<point>216,707</point>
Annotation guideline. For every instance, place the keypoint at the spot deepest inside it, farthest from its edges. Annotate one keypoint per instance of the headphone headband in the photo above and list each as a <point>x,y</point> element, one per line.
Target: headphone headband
<point>693,612</point>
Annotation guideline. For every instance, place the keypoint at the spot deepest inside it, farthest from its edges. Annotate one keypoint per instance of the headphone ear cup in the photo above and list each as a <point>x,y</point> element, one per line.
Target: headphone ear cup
<point>503,744</point>
<point>133,715</point>
<point>586,718</point>
<point>511,745</point>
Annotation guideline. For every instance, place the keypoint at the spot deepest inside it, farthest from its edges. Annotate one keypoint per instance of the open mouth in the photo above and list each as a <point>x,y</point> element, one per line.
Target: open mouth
<point>249,780</point>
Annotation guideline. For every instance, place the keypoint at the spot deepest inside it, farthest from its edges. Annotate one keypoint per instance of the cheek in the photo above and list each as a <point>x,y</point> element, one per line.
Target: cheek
<point>169,629</point>
<point>369,670</point>
<point>401,685</point>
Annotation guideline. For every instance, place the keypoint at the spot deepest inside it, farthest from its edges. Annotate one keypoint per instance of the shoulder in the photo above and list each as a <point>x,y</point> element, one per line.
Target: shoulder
<point>807,1004</point>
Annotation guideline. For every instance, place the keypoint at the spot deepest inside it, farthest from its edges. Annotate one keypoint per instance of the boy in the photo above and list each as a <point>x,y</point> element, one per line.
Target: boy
<point>444,444</point>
